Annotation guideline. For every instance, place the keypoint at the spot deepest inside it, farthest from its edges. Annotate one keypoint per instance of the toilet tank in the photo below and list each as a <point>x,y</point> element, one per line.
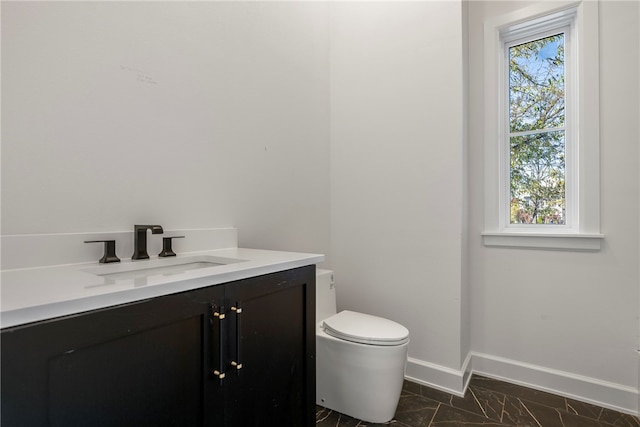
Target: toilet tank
<point>325,294</point>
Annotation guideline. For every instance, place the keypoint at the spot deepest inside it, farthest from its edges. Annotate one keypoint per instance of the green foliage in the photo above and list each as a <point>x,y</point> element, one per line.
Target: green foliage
<point>537,147</point>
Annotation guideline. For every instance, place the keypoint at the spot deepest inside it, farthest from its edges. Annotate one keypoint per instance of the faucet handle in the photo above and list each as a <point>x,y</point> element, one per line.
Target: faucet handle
<point>166,246</point>
<point>109,250</point>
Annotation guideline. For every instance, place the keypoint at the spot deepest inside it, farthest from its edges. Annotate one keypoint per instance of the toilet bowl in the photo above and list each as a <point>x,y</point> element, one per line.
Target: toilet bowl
<point>360,359</point>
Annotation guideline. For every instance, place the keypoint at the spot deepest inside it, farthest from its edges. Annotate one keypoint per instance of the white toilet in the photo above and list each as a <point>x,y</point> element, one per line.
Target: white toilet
<point>360,359</point>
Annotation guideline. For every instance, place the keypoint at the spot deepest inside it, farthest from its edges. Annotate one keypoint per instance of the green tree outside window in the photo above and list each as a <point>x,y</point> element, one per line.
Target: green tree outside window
<point>537,131</point>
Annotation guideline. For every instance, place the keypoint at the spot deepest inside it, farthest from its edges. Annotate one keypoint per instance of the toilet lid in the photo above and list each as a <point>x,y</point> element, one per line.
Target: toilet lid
<point>365,329</point>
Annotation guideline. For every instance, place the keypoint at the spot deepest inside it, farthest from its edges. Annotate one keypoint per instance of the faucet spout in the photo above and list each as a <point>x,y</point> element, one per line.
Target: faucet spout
<point>155,229</point>
<point>140,239</point>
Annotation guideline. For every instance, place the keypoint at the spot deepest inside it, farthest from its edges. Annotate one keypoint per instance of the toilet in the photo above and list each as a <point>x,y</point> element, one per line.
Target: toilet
<point>360,359</point>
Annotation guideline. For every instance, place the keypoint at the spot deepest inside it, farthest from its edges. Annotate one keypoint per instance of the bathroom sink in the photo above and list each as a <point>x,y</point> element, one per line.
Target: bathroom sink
<point>159,267</point>
<point>165,271</point>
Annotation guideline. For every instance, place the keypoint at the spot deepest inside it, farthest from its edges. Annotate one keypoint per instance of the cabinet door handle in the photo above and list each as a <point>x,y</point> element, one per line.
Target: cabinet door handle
<point>237,363</point>
<point>217,316</point>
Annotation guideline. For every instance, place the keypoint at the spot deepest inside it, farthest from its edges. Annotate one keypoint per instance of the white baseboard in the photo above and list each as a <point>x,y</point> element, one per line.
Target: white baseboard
<point>590,390</point>
<point>586,389</point>
<point>440,377</point>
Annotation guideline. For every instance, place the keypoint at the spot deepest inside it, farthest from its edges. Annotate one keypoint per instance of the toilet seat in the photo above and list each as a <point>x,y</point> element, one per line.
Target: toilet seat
<point>365,329</point>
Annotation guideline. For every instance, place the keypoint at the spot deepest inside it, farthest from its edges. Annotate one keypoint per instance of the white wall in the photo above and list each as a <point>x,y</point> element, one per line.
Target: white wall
<point>566,321</point>
<point>189,115</point>
<point>397,168</point>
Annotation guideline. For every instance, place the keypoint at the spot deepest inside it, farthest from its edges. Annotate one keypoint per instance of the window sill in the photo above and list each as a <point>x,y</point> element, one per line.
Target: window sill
<point>557,241</point>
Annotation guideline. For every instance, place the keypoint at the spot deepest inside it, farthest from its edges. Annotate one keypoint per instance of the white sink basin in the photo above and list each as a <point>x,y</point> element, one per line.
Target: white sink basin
<point>159,267</point>
<point>165,271</point>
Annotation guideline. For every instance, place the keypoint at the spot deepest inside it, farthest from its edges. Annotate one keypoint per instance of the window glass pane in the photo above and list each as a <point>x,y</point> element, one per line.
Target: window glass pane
<point>537,178</point>
<point>536,84</point>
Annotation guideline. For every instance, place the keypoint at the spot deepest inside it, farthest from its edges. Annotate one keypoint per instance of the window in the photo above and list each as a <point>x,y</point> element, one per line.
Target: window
<point>541,131</point>
<point>536,131</point>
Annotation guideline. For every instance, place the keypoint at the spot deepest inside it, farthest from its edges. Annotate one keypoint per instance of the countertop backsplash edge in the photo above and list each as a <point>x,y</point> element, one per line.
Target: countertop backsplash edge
<point>40,250</point>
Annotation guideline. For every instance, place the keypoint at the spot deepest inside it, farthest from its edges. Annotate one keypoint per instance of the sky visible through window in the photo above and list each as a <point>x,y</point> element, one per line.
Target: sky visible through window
<point>537,131</point>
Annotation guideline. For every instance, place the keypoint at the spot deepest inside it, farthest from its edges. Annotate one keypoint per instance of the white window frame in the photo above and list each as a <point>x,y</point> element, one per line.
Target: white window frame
<point>515,36</point>
<point>579,21</point>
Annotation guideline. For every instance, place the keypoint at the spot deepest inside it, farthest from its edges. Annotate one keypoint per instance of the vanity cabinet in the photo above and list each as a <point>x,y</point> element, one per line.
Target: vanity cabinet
<point>236,354</point>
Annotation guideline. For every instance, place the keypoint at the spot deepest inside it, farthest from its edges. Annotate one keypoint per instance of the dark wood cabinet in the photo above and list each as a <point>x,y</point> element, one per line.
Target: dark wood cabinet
<point>237,354</point>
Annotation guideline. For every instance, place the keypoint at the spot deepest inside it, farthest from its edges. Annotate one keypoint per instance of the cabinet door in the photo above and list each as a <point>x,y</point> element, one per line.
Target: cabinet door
<point>273,338</point>
<point>140,364</point>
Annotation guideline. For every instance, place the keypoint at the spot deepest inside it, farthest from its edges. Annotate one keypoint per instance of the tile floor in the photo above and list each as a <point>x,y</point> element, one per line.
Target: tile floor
<point>487,403</point>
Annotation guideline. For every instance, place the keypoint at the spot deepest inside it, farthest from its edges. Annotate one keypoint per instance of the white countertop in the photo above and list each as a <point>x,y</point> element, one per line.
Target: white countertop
<point>33,294</point>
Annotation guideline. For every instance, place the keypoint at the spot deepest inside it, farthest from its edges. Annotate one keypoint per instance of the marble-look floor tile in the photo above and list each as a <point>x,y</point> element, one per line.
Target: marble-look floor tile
<point>584,409</point>
<point>524,413</point>
<point>327,418</point>
<point>516,414</point>
<point>488,403</point>
<point>433,394</point>
<point>447,416</point>
<point>415,410</point>
<point>476,400</point>
<point>618,419</point>
<point>521,392</point>
<point>552,417</point>
<point>411,387</point>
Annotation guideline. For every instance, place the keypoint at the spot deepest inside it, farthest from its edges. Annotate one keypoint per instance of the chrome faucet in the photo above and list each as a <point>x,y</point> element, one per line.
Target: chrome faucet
<point>140,239</point>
